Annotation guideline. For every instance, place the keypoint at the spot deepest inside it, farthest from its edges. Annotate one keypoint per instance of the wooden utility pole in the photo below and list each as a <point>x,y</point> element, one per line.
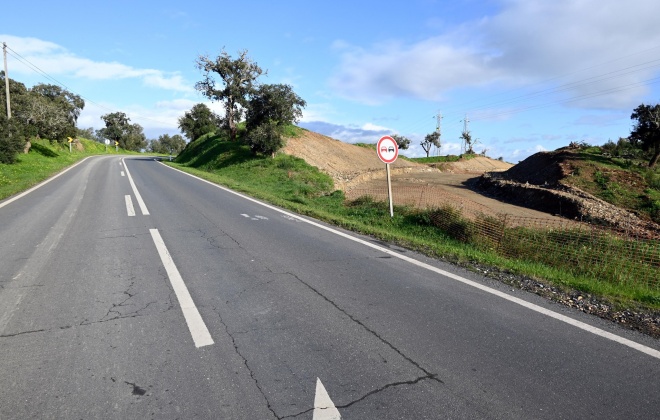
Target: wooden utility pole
<point>4,53</point>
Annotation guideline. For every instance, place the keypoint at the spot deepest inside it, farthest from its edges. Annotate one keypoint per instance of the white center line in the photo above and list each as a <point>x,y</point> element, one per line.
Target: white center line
<point>196,325</point>
<point>138,197</point>
<point>129,206</point>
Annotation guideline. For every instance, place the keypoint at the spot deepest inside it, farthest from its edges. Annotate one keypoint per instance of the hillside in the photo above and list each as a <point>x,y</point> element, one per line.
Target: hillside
<point>583,186</point>
<point>567,183</point>
<point>347,164</point>
<point>357,170</point>
<point>350,165</point>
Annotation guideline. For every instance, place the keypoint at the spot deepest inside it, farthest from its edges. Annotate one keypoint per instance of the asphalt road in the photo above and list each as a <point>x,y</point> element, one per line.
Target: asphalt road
<point>206,304</point>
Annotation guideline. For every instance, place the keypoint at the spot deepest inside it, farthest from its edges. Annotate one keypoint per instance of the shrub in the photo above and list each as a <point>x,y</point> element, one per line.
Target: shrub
<point>450,220</point>
<point>12,139</point>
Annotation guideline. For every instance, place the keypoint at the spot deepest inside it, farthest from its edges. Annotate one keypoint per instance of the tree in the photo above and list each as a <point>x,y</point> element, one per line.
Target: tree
<point>70,103</point>
<point>116,125</point>
<point>402,141</point>
<point>47,118</point>
<point>118,128</point>
<point>266,138</point>
<point>646,131</point>
<point>198,121</point>
<point>278,103</point>
<point>430,140</point>
<point>167,144</point>
<point>11,138</point>
<point>238,78</point>
<point>20,99</point>
<point>134,138</point>
<point>466,136</point>
<point>89,134</point>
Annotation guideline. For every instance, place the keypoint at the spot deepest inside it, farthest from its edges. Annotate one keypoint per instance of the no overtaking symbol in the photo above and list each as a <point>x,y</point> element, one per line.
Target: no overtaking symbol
<point>387,149</point>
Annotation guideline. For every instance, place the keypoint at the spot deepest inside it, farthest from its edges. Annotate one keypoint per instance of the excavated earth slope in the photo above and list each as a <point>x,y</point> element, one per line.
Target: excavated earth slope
<point>538,182</point>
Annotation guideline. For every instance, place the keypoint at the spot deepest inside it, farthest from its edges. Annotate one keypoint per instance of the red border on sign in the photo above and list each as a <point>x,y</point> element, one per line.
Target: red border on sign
<point>396,149</point>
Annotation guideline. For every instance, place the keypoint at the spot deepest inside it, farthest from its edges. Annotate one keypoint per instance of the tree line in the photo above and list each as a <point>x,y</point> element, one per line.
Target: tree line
<point>43,111</point>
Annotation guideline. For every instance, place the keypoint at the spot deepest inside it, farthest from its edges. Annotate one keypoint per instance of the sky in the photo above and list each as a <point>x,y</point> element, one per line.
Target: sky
<point>522,75</point>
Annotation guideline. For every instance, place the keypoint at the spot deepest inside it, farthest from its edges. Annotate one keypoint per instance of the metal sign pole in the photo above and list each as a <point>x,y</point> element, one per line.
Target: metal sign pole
<point>389,189</point>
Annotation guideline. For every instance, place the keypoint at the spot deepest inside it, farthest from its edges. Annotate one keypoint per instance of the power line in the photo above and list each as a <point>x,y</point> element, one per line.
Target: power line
<point>555,90</point>
<point>36,69</point>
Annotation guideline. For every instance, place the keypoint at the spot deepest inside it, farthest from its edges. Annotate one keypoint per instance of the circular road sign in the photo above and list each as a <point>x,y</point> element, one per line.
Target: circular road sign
<point>387,149</point>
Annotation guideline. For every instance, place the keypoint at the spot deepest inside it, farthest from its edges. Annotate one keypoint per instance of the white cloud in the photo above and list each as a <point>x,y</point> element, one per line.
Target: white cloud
<point>588,43</point>
<point>161,118</point>
<point>374,127</point>
<point>55,60</point>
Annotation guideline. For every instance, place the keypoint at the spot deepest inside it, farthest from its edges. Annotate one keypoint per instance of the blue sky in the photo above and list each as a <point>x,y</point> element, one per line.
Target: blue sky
<point>530,75</point>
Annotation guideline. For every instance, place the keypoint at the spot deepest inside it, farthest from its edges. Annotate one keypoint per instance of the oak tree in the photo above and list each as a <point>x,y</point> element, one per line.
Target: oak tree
<point>429,141</point>
<point>401,141</point>
<point>236,80</point>
<point>646,131</point>
<point>198,121</point>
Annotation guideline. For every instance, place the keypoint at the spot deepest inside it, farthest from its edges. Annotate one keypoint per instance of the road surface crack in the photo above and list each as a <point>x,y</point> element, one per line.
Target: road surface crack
<point>213,241</point>
<point>427,374</point>
<point>21,333</point>
<point>247,365</point>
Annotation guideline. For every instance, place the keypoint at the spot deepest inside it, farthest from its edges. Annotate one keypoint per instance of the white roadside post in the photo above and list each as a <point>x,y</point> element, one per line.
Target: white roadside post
<point>388,151</point>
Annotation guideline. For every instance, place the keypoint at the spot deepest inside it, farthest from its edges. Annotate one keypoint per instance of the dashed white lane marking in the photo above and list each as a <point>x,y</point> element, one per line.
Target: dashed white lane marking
<point>122,173</point>
<point>138,197</point>
<point>196,325</point>
<point>324,408</point>
<point>536,308</point>
<point>129,206</point>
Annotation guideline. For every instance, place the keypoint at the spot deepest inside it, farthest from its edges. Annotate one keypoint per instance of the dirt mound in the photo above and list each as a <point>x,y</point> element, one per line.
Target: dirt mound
<point>543,168</point>
<point>357,170</point>
<point>539,182</point>
<point>350,165</point>
<point>347,164</point>
<point>475,165</point>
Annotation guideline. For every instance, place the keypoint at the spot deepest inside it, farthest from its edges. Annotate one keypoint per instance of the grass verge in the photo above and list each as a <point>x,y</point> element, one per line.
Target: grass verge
<point>44,160</point>
<point>291,183</point>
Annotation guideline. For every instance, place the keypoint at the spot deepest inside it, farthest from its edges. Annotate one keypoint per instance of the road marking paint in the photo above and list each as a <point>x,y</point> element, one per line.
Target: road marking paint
<point>129,206</point>
<point>536,308</point>
<point>196,325</point>
<point>24,193</point>
<point>138,197</point>
<point>324,408</point>
<point>257,217</point>
<point>122,173</point>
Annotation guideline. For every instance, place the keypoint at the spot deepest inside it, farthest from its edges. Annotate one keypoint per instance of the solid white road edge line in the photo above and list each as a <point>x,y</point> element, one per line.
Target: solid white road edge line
<point>324,408</point>
<point>138,197</point>
<point>196,325</point>
<point>24,193</point>
<point>129,206</point>
<point>563,318</point>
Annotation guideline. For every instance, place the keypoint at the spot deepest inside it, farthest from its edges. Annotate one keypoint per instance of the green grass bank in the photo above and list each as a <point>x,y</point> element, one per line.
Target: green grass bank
<point>291,183</point>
